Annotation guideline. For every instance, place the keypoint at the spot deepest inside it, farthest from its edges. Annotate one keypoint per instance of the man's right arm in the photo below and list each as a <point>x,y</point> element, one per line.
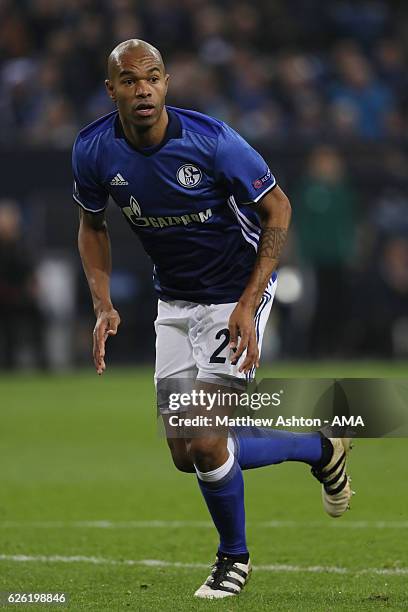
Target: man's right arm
<point>95,251</point>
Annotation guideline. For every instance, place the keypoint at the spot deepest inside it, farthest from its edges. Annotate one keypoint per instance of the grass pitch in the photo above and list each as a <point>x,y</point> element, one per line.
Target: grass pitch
<point>90,505</point>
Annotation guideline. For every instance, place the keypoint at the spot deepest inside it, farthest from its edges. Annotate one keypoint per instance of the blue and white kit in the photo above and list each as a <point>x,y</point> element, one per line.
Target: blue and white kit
<point>192,202</point>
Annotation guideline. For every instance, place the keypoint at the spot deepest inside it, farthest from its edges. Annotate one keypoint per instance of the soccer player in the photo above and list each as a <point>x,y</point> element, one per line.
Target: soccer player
<point>209,213</point>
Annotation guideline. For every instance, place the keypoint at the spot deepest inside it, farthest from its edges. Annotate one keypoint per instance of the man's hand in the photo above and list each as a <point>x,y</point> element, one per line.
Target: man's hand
<point>107,324</point>
<point>241,323</point>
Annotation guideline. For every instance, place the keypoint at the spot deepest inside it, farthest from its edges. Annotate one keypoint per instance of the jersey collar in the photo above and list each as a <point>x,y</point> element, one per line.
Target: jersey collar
<point>173,130</point>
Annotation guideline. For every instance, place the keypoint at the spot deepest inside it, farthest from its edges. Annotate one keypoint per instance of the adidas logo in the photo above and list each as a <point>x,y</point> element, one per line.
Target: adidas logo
<point>118,180</point>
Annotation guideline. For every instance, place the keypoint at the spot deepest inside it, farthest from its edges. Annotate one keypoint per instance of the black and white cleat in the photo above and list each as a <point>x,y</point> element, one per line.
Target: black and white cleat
<point>227,578</point>
<point>336,490</point>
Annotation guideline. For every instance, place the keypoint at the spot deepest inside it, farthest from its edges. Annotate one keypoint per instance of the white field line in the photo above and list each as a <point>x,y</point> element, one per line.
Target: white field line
<point>106,524</point>
<point>314,569</point>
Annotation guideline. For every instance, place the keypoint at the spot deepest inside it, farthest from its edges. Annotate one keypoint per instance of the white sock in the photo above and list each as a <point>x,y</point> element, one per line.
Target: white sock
<point>219,472</point>
<point>231,445</point>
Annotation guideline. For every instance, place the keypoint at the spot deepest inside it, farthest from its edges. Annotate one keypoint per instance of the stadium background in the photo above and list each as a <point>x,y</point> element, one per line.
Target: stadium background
<point>321,90</point>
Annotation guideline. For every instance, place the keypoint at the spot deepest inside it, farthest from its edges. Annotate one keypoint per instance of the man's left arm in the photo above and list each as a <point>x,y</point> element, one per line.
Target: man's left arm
<point>275,211</point>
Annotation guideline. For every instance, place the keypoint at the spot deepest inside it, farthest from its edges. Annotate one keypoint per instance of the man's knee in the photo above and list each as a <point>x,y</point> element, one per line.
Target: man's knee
<point>208,453</point>
<point>180,456</point>
<point>183,464</point>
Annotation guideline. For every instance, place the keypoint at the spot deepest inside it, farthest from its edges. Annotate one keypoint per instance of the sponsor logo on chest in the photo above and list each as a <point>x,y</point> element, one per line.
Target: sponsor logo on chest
<point>134,213</point>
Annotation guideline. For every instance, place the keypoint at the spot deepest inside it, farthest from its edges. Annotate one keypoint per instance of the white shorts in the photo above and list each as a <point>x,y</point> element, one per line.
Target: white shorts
<point>192,340</point>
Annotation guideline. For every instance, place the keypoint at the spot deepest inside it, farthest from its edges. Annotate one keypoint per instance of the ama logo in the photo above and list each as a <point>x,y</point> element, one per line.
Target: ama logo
<point>189,176</point>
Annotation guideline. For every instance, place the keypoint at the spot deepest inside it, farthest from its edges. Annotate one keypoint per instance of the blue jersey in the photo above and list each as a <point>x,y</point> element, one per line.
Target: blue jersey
<point>190,200</point>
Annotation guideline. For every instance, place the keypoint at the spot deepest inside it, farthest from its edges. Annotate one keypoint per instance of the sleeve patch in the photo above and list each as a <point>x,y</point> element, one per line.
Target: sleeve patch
<point>259,182</point>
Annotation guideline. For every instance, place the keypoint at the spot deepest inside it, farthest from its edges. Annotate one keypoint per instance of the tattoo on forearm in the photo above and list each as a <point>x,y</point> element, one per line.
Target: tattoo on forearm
<point>272,241</point>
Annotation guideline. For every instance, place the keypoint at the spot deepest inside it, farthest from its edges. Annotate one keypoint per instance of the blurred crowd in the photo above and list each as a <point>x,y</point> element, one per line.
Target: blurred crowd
<point>320,88</point>
<point>22,321</point>
<point>274,69</point>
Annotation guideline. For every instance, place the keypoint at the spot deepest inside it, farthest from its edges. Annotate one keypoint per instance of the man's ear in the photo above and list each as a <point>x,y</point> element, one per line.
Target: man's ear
<point>110,89</point>
<point>166,80</point>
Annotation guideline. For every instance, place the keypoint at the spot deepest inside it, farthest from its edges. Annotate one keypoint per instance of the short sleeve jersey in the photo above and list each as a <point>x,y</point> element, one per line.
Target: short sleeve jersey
<point>190,200</point>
